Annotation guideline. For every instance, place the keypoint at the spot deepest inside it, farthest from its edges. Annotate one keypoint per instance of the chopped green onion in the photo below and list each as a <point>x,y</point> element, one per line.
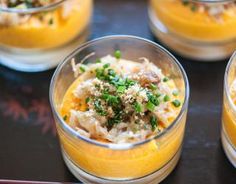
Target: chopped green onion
<point>129,82</point>
<point>121,89</point>
<point>166,98</point>
<point>165,79</point>
<point>100,73</point>
<point>158,95</point>
<point>175,92</point>
<point>110,99</point>
<point>113,121</point>
<point>65,118</point>
<point>138,107</point>
<point>150,106</point>
<point>98,108</point>
<point>87,100</point>
<point>117,54</point>
<point>82,69</point>
<point>152,98</point>
<point>106,65</point>
<point>153,122</point>
<point>111,72</point>
<point>176,103</point>
<point>153,86</point>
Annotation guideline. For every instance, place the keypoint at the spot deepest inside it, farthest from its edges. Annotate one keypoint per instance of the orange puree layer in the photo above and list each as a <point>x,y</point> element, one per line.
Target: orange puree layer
<point>44,35</point>
<point>118,164</point>
<point>229,123</point>
<point>181,20</point>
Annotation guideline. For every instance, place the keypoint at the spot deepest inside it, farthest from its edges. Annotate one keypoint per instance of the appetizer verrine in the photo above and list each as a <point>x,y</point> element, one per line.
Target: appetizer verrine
<point>198,24</point>
<point>120,101</point>
<point>229,111</point>
<point>46,29</point>
<point>126,112</point>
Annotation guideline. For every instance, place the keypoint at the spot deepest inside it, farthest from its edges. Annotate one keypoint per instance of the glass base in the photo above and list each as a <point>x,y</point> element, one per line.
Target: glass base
<point>36,60</point>
<point>202,51</point>
<point>230,151</point>
<point>153,178</point>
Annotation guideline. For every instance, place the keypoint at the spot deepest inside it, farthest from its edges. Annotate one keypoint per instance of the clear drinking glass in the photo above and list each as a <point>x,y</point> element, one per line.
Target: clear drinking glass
<point>199,29</point>
<point>36,39</point>
<point>142,162</point>
<point>228,133</point>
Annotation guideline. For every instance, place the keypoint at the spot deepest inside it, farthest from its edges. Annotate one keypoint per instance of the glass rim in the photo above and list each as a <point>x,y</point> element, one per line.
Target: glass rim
<point>115,146</point>
<point>32,10</point>
<point>226,82</point>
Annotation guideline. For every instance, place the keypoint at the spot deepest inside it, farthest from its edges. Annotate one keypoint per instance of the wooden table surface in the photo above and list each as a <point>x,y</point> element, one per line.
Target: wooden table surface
<point>29,148</point>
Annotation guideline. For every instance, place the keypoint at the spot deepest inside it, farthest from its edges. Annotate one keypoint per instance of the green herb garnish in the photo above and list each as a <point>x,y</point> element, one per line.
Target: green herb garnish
<point>106,65</point>
<point>153,98</point>
<point>121,89</point>
<point>153,86</point>
<point>150,106</point>
<point>65,118</point>
<point>165,79</point>
<point>100,73</point>
<point>166,98</point>
<point>129,82</point>
<point>176,103</point>
<point>175,93</point>
<point>111,72</point>
<point>153,122</point>
<point>138,107</point>
<point>117,54</point>
<point>98,108</point>
<point>82,69</point>
<point>87,100</point>
<point>111,99</point>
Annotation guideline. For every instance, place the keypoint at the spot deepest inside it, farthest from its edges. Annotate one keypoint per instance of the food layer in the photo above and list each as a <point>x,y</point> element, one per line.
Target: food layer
<point>45,29</point>
<point>229,115</point>
<point>120,102</point>
<point>197,21</point>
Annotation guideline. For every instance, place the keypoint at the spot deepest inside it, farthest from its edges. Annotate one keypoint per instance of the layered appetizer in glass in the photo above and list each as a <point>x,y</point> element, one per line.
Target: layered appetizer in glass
<point>120,108</point>
<point>199,29</point>
<point>31,31</point>
<point>228,133</point>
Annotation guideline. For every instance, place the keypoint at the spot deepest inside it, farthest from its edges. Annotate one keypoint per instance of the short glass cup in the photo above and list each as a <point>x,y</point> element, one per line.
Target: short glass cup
<point>36,39</point>
<point>203,30</point>
<point>149,161</point>
<point>228,133</point>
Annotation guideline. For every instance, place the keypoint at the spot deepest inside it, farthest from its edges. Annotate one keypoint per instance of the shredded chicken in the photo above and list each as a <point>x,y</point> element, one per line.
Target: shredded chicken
<point>126,101</point>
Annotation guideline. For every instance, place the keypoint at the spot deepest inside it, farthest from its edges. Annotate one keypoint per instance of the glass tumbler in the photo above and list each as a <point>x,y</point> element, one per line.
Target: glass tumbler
<point>228,133</point>
<point>203,30</point>
<point>149,161</point>
<point>37,38</point>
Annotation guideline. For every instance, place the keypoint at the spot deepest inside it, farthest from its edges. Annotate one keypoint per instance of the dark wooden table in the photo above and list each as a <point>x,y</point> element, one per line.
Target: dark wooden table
<point>29,148</point>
